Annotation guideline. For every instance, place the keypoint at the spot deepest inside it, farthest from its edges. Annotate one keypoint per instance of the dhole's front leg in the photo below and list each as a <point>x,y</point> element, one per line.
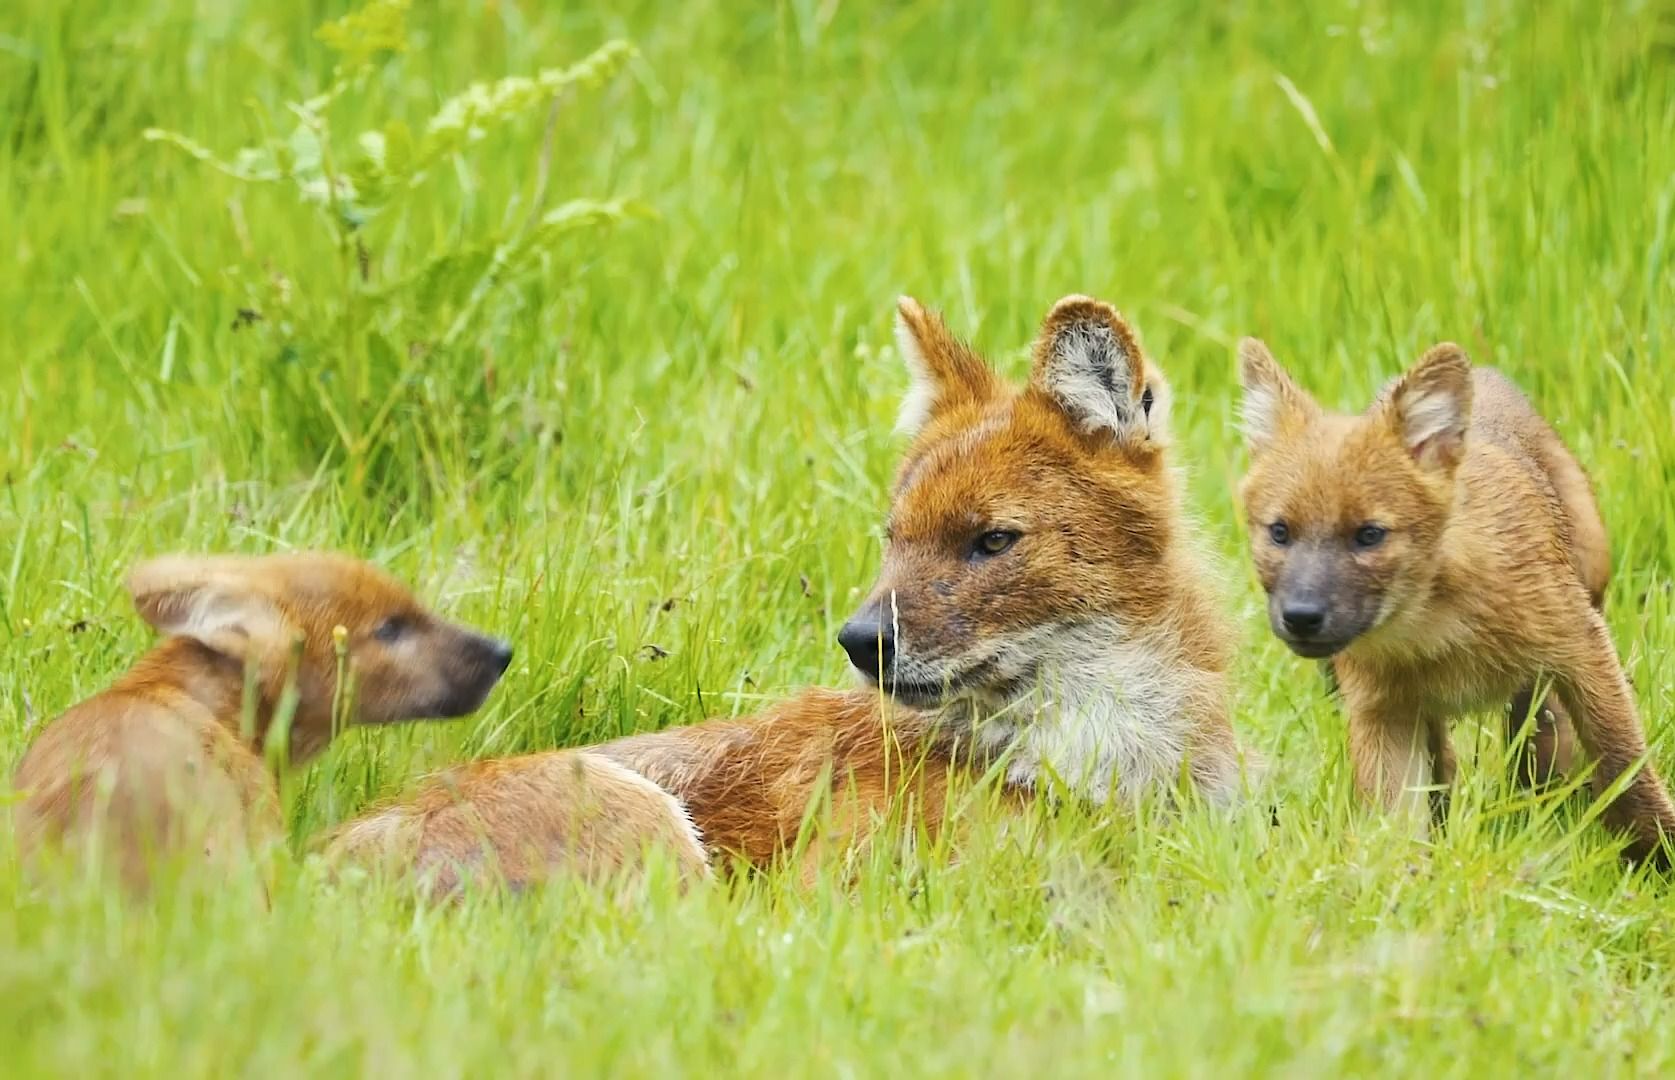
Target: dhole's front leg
<point>1590,682</point>
<point>1391,748</point>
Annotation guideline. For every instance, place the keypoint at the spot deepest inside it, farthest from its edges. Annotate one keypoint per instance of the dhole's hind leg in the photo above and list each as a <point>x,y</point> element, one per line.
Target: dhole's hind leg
<point>1547,753</point>
<point>1590,548</point>
<point>1596,693</point>
<point>1550,750</point>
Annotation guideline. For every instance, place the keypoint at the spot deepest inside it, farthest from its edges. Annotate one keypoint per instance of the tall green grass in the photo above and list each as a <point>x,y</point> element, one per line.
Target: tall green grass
<point>656,456</point>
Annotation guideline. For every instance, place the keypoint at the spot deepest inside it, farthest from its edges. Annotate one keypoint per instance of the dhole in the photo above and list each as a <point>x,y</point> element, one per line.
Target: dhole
<point>1039,599</point>
<point>170,757</point>
<point>1444,550</point>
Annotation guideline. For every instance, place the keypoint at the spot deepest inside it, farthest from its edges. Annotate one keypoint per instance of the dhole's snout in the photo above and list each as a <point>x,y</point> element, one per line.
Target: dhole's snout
<point>1301,620</point>
<point>473,666</point>
<point>870,642</point>
<point>1319,604</point>
<point>918,679</point>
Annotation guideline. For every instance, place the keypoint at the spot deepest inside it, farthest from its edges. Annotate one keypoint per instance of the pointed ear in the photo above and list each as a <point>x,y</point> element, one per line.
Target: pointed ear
<point>1430,408</point>
<point>209,599</point>
<point>944,370</point>
<point>1088,360</point>
<point>1273,405</point>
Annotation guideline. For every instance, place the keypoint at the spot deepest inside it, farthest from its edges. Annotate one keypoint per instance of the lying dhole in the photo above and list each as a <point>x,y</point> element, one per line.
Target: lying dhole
<point>1040,608</point>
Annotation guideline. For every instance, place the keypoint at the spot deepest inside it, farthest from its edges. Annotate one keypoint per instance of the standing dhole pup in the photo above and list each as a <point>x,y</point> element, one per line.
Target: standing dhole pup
<point>1444,550</point>
<point>1039,599</point>
<point>169,759</point>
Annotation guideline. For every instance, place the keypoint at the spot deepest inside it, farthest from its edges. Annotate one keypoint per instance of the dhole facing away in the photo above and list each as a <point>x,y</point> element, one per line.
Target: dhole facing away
<point>1039,599</point>
<point>169,759</point>
<point>1445,551</point>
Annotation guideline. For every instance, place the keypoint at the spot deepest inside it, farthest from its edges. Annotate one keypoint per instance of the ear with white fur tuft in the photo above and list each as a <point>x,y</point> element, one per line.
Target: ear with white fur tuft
<point>1089,361</point>
<point>1430,408</point>
<point>209,600</point>
<point>1273,405</point>
<point>944,370</point>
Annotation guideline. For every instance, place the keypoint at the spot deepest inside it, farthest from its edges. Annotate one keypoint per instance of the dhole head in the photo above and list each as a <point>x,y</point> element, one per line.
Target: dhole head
<point>405,662</point>
<point>1023,520</point>
<point>1346,513</point>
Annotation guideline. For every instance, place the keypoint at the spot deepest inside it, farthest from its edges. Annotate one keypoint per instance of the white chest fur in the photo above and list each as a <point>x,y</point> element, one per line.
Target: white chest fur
<point>1108,716</point>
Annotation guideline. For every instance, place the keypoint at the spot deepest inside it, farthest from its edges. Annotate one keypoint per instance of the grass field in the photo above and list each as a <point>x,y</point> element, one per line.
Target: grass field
<point>654,452</point>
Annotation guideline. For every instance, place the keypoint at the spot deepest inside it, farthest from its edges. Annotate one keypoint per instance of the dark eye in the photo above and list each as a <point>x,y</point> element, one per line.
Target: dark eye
<point>1279,533</point>
<point>390,629</point>
<point>993,542</point>
<point>1370,536</point>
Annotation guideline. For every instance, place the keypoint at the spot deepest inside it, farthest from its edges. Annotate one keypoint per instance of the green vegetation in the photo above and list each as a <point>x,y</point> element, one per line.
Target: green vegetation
<point>615,380</point>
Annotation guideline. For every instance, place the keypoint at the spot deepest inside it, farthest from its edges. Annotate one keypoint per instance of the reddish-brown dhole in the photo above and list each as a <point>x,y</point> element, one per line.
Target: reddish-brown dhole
<point>1040,607</point>
<point>170,760</point>
<point>1444,549</point>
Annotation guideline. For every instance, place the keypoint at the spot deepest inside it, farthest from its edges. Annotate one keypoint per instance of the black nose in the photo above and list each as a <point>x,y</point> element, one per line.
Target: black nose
<point>499,653</point>
<point>871,644</point>
<point>1303,619</point>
